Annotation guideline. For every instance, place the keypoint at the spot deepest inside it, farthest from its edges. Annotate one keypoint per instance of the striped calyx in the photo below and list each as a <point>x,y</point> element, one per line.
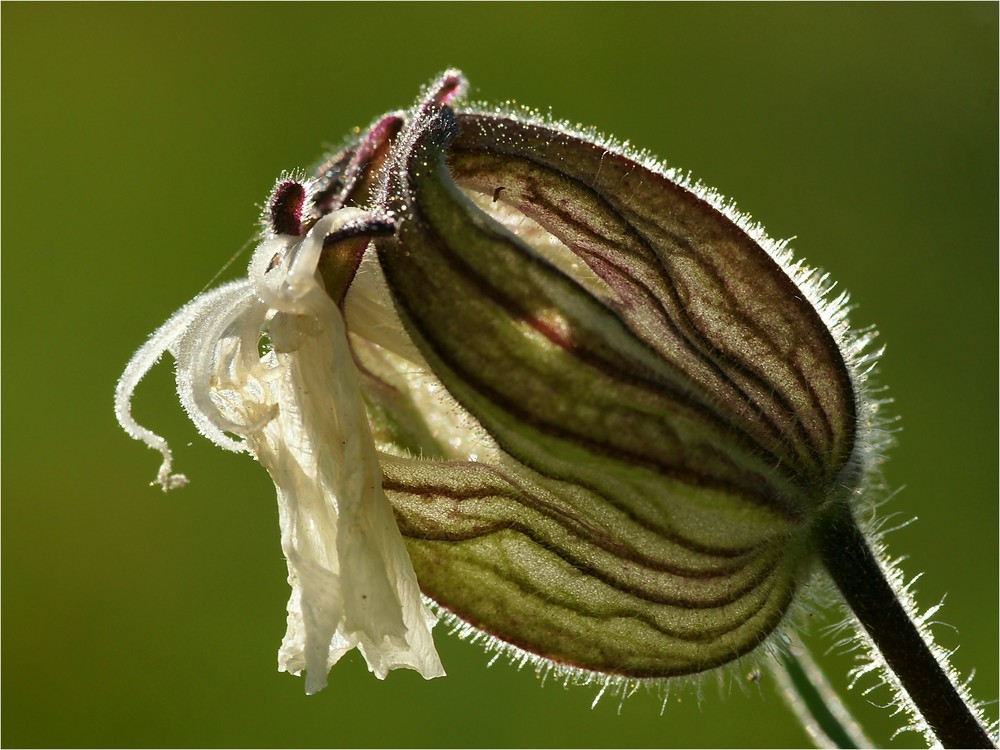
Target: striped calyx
<point>672,414</point>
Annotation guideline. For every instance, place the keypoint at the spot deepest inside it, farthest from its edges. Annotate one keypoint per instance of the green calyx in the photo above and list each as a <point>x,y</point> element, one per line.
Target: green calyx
<point>668,430</point>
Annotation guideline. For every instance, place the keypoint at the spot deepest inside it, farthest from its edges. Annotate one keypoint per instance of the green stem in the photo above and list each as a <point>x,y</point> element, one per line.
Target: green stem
<point>856,571</point>
<point>812,699</point>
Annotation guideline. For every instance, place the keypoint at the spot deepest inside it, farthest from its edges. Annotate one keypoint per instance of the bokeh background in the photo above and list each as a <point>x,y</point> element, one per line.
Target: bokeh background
<point>138,141</point>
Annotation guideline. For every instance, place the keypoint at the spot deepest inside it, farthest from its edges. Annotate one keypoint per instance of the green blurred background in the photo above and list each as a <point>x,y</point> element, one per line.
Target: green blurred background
<point>138,141</point>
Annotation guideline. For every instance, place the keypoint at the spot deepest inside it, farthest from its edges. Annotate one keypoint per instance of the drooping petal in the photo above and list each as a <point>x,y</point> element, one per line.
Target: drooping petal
<point>353,584</point>
<point>166,338</point>
<point>299,411</point>
<point>229,315</point>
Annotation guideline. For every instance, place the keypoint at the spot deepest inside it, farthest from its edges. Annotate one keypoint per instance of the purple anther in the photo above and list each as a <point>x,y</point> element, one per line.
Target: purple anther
<point>285,208</point>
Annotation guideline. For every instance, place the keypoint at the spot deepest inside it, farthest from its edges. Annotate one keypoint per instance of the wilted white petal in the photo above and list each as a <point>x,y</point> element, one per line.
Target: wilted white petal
<point>352,581</point>
<point>353,585</point>
<point>223,321</point>
<point>165,338</point>
<point>300,411</point>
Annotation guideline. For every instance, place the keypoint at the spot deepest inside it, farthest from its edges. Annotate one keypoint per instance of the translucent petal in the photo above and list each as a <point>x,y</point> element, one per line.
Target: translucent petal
<point>300,412</point>
<point>352,581</point>
<point>165,338</point>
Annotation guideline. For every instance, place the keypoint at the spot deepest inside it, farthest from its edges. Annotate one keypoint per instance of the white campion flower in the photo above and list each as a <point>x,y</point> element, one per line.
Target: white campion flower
<point>621,430</point>
<point>299,411</point>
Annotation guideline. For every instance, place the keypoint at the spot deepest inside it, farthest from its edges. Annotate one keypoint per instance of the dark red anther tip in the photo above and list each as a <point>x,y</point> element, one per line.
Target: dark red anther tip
<point>285,208</point>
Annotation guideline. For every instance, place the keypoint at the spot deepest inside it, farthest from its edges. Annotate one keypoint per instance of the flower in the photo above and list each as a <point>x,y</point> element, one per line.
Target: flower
<point>600,408</point>
<point>299,411</point>
<point>675,404</point>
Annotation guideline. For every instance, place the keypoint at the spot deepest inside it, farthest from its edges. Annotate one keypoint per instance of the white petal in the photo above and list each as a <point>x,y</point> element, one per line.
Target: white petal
<point>300,411</point>
<point>205,343</point>
<point>352,581</point>
<point>163,339</point>
<point>353,585</point>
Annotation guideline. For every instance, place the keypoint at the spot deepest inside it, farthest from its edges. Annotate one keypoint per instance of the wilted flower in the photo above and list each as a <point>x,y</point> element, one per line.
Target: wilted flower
<point>300,412</point>
<point>650,410</point>
<point>619,428</point>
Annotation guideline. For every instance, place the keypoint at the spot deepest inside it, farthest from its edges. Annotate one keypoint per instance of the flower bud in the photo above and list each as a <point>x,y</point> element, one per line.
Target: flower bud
<point>606,410</point>
<point>675,400</point>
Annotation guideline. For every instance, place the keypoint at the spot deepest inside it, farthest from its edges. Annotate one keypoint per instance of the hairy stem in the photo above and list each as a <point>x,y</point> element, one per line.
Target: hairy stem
<point>856,571</point>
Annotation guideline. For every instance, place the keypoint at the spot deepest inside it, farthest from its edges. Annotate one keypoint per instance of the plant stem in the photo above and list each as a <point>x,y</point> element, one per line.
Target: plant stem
<point>812,699</point>
<point>856,571</point>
